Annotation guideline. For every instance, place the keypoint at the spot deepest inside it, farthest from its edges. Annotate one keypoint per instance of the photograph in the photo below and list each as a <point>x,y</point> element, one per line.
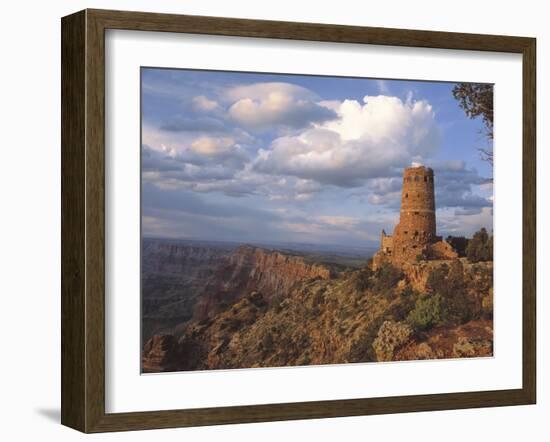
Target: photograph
<point>298,220</point>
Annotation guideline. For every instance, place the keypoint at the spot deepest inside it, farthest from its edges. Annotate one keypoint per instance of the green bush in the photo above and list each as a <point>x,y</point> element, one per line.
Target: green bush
<point>450,283</point>
<point>427,312</point>
<point>399,310</point>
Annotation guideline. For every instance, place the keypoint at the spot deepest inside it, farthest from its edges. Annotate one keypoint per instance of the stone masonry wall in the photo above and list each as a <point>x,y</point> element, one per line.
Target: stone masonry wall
<point>416,228</point>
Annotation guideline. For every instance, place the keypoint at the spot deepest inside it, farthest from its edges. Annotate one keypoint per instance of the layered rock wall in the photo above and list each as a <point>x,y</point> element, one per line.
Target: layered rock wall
<point>253,269</point>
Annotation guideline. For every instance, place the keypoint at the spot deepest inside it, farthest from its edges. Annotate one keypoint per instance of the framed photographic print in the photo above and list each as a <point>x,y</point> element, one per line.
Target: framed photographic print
<point>268,220</point>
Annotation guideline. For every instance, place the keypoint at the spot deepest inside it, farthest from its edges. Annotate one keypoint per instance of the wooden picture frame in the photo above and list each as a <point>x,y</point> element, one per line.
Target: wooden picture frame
<point>83,220</point>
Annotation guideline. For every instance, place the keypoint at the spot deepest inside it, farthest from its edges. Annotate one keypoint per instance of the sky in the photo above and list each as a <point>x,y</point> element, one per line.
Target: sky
<point>249,157</point>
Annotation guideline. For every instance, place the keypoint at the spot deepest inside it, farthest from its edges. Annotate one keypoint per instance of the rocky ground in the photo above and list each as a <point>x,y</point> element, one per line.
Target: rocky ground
<point>264,309</point>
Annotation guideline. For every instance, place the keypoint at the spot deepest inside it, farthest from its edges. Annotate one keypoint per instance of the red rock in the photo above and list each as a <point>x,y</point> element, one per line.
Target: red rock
<point>252,269</point>
<point>159,353</point>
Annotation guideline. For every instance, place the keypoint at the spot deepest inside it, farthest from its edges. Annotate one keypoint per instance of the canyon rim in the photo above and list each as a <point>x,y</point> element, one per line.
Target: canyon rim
<point>294,220</point>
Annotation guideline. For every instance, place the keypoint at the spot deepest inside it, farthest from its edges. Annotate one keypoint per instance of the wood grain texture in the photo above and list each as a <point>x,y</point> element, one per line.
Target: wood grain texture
<point>83,220</point>
<point>529,220</point>
<point>73,129</point>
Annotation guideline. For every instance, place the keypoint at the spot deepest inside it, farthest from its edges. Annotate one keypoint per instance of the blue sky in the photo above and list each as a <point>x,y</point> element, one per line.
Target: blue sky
<point>296,158</point>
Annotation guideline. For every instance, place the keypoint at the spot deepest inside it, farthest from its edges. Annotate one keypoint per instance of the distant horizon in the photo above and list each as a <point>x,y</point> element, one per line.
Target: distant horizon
<point>234,156</point>
<point>165,238</point>
<point>372,245</point>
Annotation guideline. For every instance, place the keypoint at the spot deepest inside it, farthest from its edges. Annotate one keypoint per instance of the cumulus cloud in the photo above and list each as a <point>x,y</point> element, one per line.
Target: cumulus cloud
<point>203,124</point>
<point>369,140</point>
<point>170,169</point>
<point>211,146</point>
<point>385,191</point>
<point>347,222</point>
<point>455,186</point>
<point>259,91</point>
<point>470,211</point>
<point>297,167</point>
<point>265,105</point>
<point>188,174</point>
<point>465,222</point>
<point>401,124</point>
<point>204,104</point>
<point>157,160</point>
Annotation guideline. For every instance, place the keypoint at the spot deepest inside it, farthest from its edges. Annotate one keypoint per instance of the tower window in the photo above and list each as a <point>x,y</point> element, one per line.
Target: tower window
<point>406,195</point>
<point>416,213</point>
<point>425,179</point>
<point>416,178</point>
<point>405,232</point>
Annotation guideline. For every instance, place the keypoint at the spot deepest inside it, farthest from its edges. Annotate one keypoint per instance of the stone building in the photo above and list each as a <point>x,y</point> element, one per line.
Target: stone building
<point>414,238</point>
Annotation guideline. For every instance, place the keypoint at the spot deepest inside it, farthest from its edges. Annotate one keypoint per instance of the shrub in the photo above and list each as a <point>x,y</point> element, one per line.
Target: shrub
<point>362,279</point>
<point>386,278</point>
<point>361,349</point>
<point>398,311</point>
<point>446,280</point>
<point>461,307</point>
<point>427,312</point>
<point>437,279</point>
<point>449,282</point>
<point>266,342</point>
<point>391,336</point>
<point>487,305</point>
<point>257,299</point>
<point>408,292</point>
<point>318,298</point>
<point>230,324</point>
<point>480,247</point>
<point>483,280</point>
<point>458,243</point>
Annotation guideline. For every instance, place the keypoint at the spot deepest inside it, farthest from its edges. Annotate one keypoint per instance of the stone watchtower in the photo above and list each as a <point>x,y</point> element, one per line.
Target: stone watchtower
<point>415,236</point>
<point>416,228</point>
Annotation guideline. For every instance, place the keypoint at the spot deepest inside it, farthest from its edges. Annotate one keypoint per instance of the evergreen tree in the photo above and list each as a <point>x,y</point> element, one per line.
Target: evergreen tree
<point>480,247</point>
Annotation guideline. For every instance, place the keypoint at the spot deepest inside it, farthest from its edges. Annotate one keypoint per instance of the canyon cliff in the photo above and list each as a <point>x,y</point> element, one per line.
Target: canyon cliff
<point>173,275</point>
<point>250,269</point>
<point>266,308</point>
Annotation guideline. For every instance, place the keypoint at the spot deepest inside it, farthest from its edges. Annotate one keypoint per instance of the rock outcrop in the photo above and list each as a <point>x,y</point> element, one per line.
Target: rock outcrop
<point>473,339</point>
<point>160,353</point>
<point>417,273</point>
<point>441,250</point>
<point>265,308</point>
